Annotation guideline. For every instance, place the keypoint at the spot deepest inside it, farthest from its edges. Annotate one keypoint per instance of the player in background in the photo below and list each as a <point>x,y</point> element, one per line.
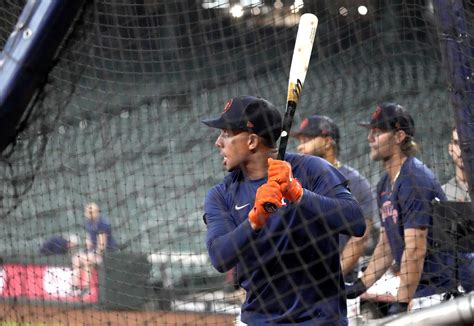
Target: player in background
<point>99,239</point>
<point>287,261</point>
<point>404,196</point>
<point>319,136</point>
<point>60,245</point>
<point>456,189</point>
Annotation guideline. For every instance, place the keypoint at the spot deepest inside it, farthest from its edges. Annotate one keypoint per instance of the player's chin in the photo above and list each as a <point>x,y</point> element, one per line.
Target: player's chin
<point>228,166</point>
<point>375,156</point>
<point>230,169</point>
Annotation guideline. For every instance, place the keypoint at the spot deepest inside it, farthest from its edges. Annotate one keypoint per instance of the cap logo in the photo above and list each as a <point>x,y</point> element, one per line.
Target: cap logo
<point>227,106</point>
<point>397,125</point>
<point>250,124</point>
<point>324,132</point>
<point>304,124</point>
<point>377,112</point>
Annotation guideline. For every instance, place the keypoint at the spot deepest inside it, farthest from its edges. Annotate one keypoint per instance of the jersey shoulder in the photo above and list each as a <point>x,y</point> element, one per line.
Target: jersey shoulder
<point>308,169</point>
<point>415,172</point>
<point>352,174</point>
<point>416,175</point>
<point>307,162</point>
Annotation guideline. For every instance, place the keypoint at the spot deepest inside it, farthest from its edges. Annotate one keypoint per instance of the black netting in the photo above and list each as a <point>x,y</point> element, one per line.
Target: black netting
<point>118,123</point>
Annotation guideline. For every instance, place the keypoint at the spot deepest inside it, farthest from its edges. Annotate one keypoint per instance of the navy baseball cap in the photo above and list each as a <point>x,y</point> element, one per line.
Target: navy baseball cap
<point>391,117</point>
<point>318,125</point>
<point>249,113</point>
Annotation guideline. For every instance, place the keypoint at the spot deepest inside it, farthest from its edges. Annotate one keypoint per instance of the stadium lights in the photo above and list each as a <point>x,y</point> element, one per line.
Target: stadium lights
<point>61,130</point>
<point>218,4</point>
<point>237,11</point>
<point>278,4</point>
<point>343,11</point>
<point>362,10</point>
<point>224,4</point>
<point>296,6</point>
<point>255,11</point>
<point>124,114</point>
<point>251,3</point>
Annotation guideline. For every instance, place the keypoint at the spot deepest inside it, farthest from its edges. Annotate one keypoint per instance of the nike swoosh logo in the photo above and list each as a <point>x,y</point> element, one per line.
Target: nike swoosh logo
<point>238,208</point>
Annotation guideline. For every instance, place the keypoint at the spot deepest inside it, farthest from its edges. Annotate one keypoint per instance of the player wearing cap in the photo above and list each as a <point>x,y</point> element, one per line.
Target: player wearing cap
<point>456,189</point>
<point>287,261</point>
<point>404,196</point>
<point>319,135</point>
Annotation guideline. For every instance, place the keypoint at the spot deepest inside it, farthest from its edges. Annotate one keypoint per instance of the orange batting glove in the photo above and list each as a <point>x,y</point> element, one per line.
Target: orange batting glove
<point>269,192</point>
<point>280,172</point>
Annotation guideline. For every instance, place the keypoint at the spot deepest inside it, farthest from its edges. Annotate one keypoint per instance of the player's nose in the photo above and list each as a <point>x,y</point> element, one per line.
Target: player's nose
<point>370,136</point>
<point>218,143</point>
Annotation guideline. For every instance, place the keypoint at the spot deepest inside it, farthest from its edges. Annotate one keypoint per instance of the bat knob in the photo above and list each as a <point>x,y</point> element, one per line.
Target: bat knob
<point>269,208</point>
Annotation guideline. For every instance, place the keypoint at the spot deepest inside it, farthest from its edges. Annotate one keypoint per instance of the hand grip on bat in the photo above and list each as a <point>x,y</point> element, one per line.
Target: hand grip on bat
<point>281,173</point>
<point>268,193</point>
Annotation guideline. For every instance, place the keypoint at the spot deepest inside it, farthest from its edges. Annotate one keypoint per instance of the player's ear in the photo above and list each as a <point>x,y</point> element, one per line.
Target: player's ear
<point>328,142</point>
<point>400,136</point>
<point>253,141</point>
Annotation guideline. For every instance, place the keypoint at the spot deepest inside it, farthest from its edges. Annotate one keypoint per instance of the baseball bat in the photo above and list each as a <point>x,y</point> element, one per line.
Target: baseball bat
<point>298,69</point>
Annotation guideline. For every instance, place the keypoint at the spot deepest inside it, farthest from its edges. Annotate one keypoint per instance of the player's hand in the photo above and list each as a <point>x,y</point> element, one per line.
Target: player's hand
<point>269,192</point>
<point>280,171</point>
<point>353,290</point>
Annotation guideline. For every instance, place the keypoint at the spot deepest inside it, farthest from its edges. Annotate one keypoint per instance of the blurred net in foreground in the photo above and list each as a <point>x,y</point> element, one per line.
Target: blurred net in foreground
<point>119,124</point>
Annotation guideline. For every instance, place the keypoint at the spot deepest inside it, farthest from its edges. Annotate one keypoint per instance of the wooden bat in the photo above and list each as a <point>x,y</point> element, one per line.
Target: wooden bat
<point>299,67</point>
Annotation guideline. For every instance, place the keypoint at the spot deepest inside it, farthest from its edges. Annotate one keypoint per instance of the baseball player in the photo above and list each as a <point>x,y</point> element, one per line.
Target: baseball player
<point>287,261</point>
<point>319,135</point>
<point>404,196</point>
<point>99,240</point>
<point>456,189</point>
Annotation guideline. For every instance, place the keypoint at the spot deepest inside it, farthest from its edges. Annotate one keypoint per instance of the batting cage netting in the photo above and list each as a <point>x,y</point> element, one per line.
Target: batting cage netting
<point>104,180</point>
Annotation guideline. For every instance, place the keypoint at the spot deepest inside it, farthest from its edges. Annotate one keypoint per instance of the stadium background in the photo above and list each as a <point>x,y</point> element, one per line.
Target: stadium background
<point>118,121</point>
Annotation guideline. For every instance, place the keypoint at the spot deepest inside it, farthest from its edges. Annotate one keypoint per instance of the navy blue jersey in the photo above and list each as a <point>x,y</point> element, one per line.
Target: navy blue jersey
<point>408,206</point>
<point>360,188</point>
<point>290,268</point>
<point>56,245</point>
<point>100,226</point>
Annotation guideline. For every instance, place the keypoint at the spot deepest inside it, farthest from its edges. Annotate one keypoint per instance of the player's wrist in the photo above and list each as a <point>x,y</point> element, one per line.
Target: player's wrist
<point>257,219</point>
<point>294,191</point>
<point>254,226</point>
